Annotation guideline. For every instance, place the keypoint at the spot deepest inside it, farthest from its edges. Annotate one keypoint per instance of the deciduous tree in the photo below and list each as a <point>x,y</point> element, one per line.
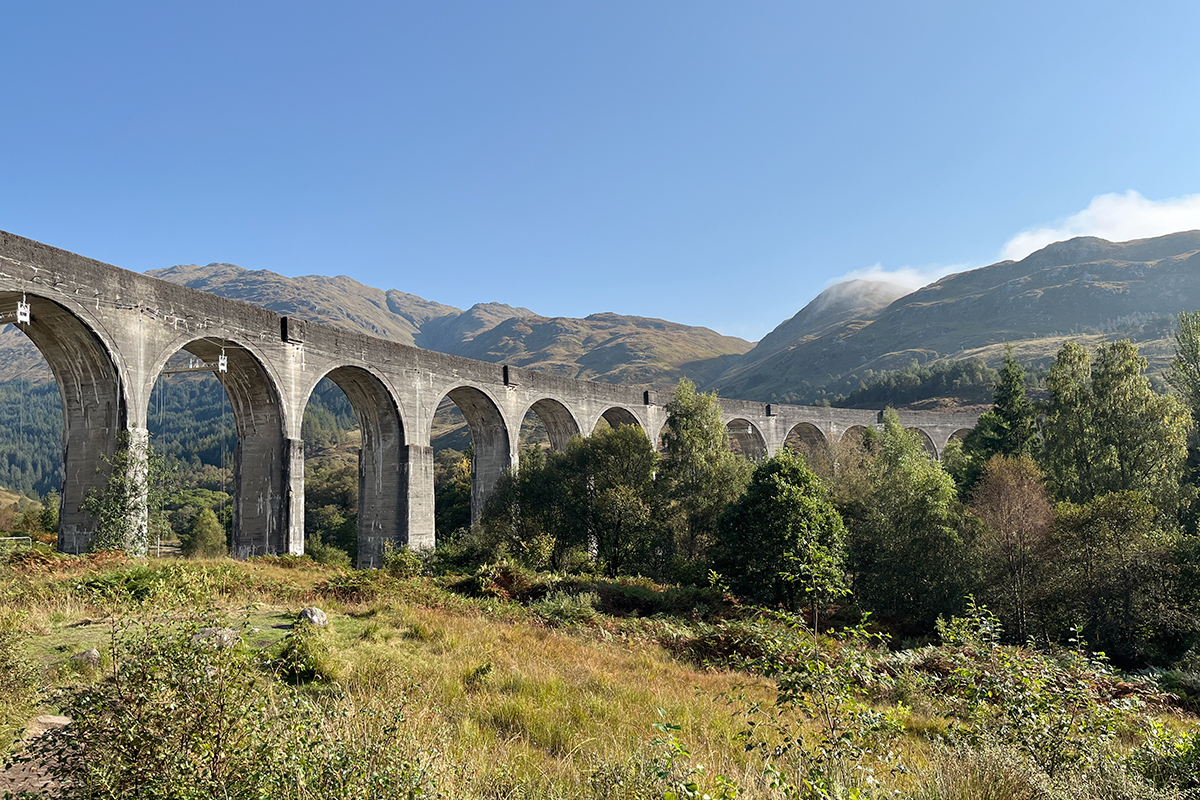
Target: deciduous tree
<point>205,537</point>
<point>1106,430</point>
<point>1113,565</point>
<point>699,474</point>
<point>1017,519</point>
<point>911,544</point>
<point>783,542</point>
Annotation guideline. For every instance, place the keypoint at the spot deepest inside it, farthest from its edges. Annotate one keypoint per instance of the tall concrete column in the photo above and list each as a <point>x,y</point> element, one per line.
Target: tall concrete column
<point>417,466</point>
<point>493,457</point>
<point>259,494</point>
<point>382,492</point>
<point>137,452</point>
<point>292,527</point>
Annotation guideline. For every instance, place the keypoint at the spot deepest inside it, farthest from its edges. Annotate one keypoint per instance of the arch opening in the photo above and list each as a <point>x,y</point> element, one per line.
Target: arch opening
<point>487,451</point>
<point>809,441</point>
<point>746,440</point>
<point>855,434</point>
<point>191,424</point>
<point>548,424</point>
<point>617,416</point>
<point>261,501</point>
<point>73,448</point>
<point>356,476</point>
<point>926,442</point>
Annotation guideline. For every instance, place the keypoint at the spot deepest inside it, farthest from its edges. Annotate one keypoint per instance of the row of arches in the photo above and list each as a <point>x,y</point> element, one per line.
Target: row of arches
<point>104,392</point>
<point>805,437</point>
<point>103,395</point>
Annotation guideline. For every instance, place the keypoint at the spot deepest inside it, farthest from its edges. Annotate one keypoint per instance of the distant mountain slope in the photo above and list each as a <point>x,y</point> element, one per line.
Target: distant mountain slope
<point>604,347</point>
<point>607,347</point>
<point>1085,288</point>
<point>839,310</point>
<point>338,301</point>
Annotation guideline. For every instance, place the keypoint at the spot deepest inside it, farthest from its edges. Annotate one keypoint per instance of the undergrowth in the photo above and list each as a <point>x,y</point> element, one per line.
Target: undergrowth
<point>509,683</point>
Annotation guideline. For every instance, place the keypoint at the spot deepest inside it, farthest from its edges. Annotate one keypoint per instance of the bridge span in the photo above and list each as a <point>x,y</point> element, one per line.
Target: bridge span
<point>107,334</point>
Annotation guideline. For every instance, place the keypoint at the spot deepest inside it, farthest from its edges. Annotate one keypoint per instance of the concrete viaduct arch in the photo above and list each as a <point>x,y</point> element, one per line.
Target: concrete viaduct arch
<point>818,426</point>
<point>107,333</point>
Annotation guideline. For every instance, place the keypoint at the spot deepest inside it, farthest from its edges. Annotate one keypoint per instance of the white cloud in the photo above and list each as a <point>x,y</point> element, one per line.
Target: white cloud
<point>910,277</point>
<point>1116,217</point>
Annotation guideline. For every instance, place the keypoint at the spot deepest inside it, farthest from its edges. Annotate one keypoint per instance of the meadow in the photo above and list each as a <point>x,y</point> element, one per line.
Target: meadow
<point>506,683</point>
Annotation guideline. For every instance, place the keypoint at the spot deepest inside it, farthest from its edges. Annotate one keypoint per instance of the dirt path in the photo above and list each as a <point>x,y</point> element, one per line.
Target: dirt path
<point>32,777</point>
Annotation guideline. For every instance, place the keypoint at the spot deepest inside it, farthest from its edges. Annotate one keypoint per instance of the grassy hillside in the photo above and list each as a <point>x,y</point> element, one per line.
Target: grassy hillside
<point>603,347</point>
<point>509,684</point>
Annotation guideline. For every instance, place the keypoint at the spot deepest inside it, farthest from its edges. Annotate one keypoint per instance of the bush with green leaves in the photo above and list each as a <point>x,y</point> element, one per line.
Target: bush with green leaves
<point>327,554</point>
<point>1169,759</point>
<point>783,543</point>
<point>184,713</point>
<point>912,546</point>
<point>205,537</point>
<point>135,493</point>
<point>18,684</point>
<point>305,655</point>
<point>567,608</point>
<point>402,561</point>
<point>823,737</point>
<point>1047,704</point>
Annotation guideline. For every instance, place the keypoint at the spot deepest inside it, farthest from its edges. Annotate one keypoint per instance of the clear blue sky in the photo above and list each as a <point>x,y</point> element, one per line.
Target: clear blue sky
<point>714,163</point>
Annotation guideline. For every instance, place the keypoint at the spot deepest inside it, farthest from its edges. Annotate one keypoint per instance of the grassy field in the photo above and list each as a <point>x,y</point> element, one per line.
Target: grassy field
<point>516,685</point>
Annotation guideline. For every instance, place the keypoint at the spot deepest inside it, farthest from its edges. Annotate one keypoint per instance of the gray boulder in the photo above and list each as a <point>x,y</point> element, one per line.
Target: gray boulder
<point>88,658</point>
<point>314,616</point>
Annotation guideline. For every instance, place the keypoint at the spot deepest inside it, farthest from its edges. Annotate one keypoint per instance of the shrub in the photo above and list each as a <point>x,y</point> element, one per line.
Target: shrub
<point>567,608</point>
<point>305,655</point>
<point>205,537</point>
<point>401,562</point>
<point>191,717</point>
<point>325,553</point>
<point>18,685</point>
<point>1167,759</point>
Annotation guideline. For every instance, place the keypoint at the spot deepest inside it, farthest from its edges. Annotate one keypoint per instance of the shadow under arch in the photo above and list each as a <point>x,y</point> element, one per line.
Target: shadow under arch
<point>618,416</point>
<point>489,437</point>
<point>853,434</point>
<point>94,404</point>
<point>264,458</point>
<point>804,437</point>
<point>959,435</point>
<point>745,439</point>
<point>926,442</point>
<point>557,419</point>
<point>382,462</point>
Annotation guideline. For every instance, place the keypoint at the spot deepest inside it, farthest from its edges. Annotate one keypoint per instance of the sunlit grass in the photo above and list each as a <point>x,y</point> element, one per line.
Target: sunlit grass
<point>503,701</point>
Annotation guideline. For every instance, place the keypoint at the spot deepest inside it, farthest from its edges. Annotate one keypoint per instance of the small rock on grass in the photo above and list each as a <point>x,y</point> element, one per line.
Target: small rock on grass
<point>313,616</point>
<point>88,658</point>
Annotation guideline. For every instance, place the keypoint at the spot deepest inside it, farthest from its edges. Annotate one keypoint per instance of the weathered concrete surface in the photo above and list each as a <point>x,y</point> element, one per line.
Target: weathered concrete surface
<point>107,333</point>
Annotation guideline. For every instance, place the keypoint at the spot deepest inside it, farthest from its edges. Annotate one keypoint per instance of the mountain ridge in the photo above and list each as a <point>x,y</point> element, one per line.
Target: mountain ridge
<point>1083,288</point>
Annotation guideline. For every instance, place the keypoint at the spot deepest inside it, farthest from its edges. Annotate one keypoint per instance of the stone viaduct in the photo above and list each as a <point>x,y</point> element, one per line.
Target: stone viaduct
<point>107,334</point>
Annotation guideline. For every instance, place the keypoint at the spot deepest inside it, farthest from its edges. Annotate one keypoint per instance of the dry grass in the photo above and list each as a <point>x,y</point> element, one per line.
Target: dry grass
<point>503,699</point>
<point>500,703</point>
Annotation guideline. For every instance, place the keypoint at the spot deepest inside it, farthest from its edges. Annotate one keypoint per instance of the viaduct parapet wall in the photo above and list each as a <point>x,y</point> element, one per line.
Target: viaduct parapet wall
<point>107,334</point>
